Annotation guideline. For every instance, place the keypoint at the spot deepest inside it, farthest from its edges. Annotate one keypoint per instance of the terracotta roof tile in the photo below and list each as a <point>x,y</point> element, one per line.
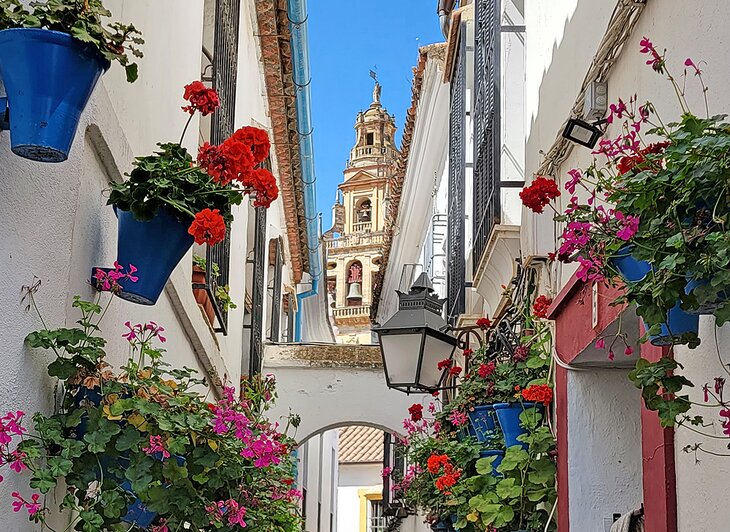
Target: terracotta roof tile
<point>360,444</point>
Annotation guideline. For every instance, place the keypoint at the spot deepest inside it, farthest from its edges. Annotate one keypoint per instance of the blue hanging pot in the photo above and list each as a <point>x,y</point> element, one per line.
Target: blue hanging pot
<point>154,248</point>
<point>631,269</point>
<point>49,77</point>
<point>678,323</point>
<point>508,415</point>
<point>481,420</point>
<point>708,307</point>
<point>498,454</point>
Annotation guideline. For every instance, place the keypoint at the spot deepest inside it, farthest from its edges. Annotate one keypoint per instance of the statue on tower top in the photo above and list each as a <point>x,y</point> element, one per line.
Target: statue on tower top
<point>377,88</point>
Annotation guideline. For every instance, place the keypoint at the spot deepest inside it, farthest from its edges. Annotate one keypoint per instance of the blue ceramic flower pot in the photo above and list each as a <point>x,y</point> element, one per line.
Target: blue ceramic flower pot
<point>678,323</point>
<point>465,431</point>
<point>631,269</point>
<point>154,248</point>
<point>707,307</point>
<point>481,420</point>
<point>508,415</point>
<point>498,454</point>
<point>137,513</point>
<point>49,77</point>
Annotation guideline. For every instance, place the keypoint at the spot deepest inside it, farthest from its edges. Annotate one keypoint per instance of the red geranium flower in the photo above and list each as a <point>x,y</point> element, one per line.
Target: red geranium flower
<point>201,98</point>
<point>485,370</point>
<point>540,307</point>
<point>484,323</point>
<point>208,227</point>
<point>539,193</point>
<point>456,370</point>
<point>416,412</point>
<point>446,363</point>
<point>264,183</point>
<point>468,353</point>
<point>435,462</point>
<point>257,141</point>
<point>538,393</point>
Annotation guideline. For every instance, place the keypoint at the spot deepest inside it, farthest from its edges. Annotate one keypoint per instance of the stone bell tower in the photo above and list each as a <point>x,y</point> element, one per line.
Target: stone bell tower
<point>354,244</point>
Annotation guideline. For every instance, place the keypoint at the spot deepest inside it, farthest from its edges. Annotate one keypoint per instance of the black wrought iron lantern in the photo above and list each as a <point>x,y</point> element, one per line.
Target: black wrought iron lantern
<point>415,339</point>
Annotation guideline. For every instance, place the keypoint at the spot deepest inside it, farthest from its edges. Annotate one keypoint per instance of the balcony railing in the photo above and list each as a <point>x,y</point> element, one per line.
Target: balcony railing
<point>352,240</point>
<point>361,227</point>
<point>352,312</point>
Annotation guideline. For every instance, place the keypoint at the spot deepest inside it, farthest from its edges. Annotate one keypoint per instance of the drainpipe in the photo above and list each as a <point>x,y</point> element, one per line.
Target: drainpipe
<point>297,11</point>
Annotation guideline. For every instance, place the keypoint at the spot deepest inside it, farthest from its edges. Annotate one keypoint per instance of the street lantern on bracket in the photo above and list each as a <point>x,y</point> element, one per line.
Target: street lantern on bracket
<point>415,339</point>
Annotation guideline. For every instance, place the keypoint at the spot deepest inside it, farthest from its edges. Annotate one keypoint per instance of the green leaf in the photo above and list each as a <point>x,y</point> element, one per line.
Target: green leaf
<point>92,521</point>
<point>43,480</point>
<point>62,368</point>
<point>129,439</point>
<point>484,465</point>
<point>132,72</point>
<point>508,489</point>
<point>72,448</point>
<point>59,466</point>
<point>73,418</point>
<point>114,504</point>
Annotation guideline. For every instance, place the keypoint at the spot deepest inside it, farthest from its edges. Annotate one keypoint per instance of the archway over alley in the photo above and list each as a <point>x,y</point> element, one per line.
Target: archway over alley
<point>335,385</point>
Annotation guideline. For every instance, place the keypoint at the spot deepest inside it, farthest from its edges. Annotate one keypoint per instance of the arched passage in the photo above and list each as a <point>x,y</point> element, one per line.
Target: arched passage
<point>333,386</point>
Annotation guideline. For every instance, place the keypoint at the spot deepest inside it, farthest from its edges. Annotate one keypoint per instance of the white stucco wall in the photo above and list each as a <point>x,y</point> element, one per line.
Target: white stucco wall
<point>604,447</point>
<point>353,478</point>
<point>318,475</point>
<point>57,227</point>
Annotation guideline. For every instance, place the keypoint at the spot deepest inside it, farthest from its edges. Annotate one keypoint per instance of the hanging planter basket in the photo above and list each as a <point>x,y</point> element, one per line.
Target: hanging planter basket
<point>49,77</point>
<point>508,415</point>
<point>154,248</point>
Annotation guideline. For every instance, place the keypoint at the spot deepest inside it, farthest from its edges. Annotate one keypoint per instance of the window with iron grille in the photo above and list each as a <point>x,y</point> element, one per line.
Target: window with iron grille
<point>487,143</point>
<point>378,521</point>
<point>225,68</point>
<point>456,271</point>
<point>257,297</point>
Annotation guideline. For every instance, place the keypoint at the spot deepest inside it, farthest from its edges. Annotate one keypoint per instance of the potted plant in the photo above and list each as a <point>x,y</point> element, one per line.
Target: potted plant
<point>201,294</point>
<point>141,447</point>
<point>51,56</point>
<point>436,459</point>
<point>221,292</point>
<point>522,497</point>
<point>663,226</point>
<point>171,201</point>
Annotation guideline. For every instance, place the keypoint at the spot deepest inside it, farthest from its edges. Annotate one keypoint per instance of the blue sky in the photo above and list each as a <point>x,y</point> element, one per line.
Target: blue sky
<point>347,39</point>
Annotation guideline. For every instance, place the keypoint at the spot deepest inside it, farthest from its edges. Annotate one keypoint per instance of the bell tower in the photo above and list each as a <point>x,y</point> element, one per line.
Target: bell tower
<point>354,243</point>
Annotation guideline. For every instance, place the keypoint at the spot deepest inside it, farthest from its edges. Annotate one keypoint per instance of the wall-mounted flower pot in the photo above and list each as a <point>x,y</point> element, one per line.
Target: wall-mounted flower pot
<point>154,248</point>
<point>465,431</point>
<point>678,323</point>
<point>631,269</point>
<point>498,454</point>
<point>201,294</point>
<point>481,419</point>
<point>49,77</point>
<point>508,415</point>
<point>707,307</point>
